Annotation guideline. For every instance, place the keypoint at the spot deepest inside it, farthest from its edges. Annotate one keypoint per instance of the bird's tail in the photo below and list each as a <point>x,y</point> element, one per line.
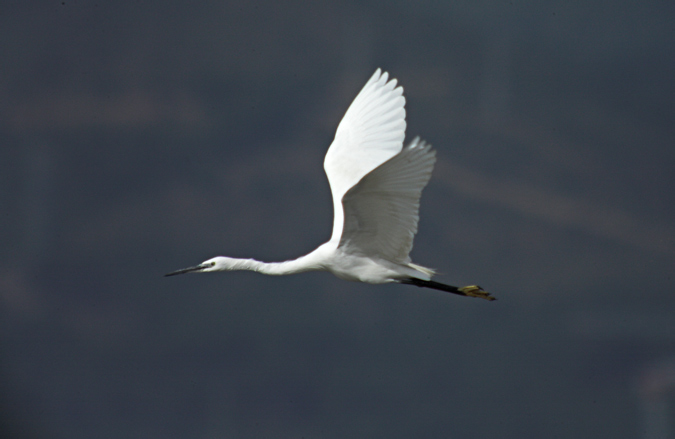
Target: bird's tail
<point>469,290</point>
<point>428,271</point>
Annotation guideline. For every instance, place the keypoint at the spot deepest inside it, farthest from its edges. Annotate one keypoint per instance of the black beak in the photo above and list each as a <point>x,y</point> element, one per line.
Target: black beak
<point>187,270</point>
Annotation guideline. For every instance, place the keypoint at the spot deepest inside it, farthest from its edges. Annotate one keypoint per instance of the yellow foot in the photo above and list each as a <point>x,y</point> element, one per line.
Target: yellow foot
<point>476,291</point>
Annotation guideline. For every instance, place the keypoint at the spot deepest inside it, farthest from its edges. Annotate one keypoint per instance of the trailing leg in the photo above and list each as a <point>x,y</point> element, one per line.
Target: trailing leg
<point>469,290</point>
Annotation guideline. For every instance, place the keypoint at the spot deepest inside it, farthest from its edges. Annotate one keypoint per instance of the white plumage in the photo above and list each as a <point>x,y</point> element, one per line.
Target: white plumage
<point>376,185</point>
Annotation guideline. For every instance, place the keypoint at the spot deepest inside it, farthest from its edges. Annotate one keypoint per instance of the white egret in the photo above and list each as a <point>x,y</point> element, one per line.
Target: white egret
<point>376,184</point>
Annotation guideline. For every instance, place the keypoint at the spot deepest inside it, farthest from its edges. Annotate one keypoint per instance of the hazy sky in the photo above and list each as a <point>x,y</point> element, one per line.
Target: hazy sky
<point>142,137</point>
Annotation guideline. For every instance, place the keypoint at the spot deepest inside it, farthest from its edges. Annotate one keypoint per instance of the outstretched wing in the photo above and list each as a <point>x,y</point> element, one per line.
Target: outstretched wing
<point>382,210</point>
<point>370,133</point>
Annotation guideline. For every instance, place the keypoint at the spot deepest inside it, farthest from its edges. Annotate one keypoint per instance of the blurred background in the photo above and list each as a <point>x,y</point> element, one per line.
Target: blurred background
<point>139,137</point>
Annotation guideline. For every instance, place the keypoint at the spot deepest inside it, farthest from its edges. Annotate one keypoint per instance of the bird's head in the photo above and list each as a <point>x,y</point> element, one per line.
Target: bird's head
<point>219,263</point>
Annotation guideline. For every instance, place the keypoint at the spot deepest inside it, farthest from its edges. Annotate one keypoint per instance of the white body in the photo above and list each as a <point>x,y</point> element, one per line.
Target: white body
<point>376,185</point>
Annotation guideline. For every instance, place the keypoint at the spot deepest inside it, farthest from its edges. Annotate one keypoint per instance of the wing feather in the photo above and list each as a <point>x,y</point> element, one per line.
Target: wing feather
<point>370,133</point>
<point>382,210</point>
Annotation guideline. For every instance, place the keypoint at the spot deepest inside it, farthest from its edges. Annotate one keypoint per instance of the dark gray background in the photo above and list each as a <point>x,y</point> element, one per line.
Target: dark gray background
<point>139,137</point>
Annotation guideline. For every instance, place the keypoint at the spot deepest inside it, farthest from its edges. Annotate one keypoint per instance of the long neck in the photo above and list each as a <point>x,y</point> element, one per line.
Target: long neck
<point>300,265</point>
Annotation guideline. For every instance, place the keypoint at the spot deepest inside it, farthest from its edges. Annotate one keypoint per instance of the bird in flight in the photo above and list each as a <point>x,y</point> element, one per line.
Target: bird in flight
<point>376,183</point>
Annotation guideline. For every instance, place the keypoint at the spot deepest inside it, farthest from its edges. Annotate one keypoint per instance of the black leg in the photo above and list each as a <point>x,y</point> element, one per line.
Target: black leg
<point>469,290</point>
